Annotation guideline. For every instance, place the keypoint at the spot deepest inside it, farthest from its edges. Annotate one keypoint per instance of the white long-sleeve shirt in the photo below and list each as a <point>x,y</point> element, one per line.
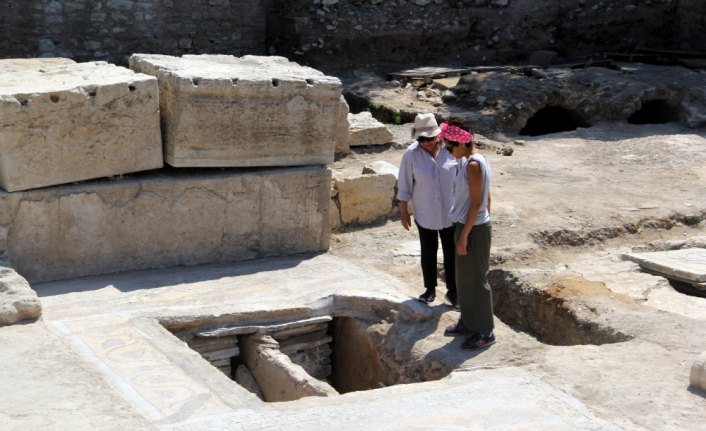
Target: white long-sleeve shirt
<point>427,181</point>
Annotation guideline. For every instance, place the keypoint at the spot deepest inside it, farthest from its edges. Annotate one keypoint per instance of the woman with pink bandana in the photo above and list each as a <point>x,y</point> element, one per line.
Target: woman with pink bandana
<point>472,232</point>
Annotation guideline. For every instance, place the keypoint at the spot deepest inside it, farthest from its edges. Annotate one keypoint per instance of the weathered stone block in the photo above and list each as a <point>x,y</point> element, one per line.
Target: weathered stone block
<point>161,219</point>
<point>17,299</point>
<point>220,110</point>
<point>364,198</point>
<point>366,130</point>
<point>65,123</point>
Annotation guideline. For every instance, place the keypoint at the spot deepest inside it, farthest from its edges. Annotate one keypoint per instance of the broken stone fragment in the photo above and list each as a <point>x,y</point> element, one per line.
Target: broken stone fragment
<point>364,198</point>
<point>698,372</point>
<point>365,130</point>
<point>17,299</point>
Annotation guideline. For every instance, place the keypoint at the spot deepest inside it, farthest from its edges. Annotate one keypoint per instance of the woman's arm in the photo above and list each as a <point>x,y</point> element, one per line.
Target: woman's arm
<point>475,188</point>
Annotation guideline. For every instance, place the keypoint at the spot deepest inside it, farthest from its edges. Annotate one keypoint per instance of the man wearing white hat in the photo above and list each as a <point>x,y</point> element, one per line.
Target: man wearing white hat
<point>426,178</point>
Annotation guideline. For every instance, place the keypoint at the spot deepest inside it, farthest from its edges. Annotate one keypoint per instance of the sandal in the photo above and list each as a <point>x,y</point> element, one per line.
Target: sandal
<point>455,330</point>
<point>478,341</point>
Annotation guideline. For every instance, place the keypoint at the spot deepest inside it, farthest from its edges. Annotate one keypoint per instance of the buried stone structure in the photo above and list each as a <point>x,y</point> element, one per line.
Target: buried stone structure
<point>110,125</point>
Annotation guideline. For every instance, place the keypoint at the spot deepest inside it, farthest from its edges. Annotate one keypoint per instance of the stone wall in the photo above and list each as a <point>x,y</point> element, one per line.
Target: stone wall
<point>342,35</point>
<point>692,16</point>
<point>388,34</point>
<point>111,30</point>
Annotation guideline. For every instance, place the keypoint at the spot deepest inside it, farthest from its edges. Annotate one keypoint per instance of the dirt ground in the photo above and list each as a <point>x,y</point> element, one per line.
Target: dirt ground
<point>566,206</point>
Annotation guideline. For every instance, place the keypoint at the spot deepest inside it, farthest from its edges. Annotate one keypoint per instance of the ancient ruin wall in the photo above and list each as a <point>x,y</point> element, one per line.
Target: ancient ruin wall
<point>396,33</point>
<point>112,30</point>
<point>692,16</point>
<point>349,34</point>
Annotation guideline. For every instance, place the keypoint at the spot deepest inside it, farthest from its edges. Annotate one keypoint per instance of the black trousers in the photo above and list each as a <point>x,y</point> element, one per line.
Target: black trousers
<point>429,242</point>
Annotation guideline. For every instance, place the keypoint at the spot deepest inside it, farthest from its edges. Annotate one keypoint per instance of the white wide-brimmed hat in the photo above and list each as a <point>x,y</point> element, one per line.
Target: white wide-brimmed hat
<point>425,125</point>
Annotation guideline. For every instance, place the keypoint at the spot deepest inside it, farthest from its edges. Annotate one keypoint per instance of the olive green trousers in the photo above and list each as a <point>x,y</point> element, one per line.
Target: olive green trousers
<point>474,294</point>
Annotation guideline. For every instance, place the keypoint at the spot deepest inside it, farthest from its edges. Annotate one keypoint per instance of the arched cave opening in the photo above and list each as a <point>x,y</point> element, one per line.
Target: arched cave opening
<point>552,119</point>
<point>655,111</point>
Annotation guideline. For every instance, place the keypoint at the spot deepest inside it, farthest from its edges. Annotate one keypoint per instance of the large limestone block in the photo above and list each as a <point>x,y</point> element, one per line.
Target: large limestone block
<point>15,64</point>
<point>364,198</point>
<point>220,110</point>
<point>162,219</point>
<point>65,123</point>
<point>17,299</point>
<point>366,130</point>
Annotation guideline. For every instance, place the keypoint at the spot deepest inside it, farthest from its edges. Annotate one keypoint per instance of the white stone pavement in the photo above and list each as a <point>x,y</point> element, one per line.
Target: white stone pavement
<point>99,359</point>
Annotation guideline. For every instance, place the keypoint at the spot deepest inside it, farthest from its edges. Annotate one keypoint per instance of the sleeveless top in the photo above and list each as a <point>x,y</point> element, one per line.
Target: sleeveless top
<point>462,198</point>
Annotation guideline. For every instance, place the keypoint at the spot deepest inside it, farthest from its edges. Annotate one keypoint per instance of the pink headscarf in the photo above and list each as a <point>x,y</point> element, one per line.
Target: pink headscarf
<point>454,133</point>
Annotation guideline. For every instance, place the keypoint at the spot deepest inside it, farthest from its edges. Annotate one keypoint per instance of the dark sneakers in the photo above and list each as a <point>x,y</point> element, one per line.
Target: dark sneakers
<point>477,341</point>
<point>453,301</point>
<point>455,330</point>
<point>427,297</point>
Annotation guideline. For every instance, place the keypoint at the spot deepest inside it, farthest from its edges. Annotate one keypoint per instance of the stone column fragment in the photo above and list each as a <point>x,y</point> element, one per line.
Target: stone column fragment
<point>62,123</point>
<point>276,375</point>
<point>225,111</point>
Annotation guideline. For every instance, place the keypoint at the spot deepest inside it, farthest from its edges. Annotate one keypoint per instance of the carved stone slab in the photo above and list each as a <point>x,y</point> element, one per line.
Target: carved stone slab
<point>165,219</point>
<point>220,110</point>
<point>687,265</point>
<point>61,123</point>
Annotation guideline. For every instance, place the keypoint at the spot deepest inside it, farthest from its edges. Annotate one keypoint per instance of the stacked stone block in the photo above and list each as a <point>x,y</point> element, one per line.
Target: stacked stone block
<point>67,122</point>
<point>61,123</point>
<point>224,111</point>
<point>165,219</point>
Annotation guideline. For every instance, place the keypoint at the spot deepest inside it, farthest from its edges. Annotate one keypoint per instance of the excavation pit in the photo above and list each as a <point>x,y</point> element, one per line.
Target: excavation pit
<point>296,357</point>
<point>552,313</point>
